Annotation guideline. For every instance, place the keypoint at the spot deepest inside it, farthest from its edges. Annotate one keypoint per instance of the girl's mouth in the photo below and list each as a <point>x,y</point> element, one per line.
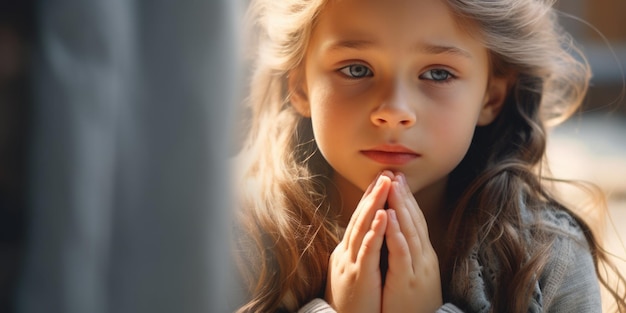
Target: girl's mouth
<point>391,154</point>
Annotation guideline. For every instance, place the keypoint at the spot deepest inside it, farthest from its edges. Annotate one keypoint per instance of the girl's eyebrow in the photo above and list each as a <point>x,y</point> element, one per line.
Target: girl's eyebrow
<point>350,44</point>
<point>421,48</point>
<point>442,49</point>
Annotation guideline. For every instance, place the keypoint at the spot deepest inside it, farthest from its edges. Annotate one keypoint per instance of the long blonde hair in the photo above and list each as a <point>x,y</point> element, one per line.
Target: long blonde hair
<point>285,228</point>
<point>504,163</point>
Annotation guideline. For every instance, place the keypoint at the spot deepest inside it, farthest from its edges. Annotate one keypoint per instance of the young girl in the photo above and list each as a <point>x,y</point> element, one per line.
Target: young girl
<point>393,162</point>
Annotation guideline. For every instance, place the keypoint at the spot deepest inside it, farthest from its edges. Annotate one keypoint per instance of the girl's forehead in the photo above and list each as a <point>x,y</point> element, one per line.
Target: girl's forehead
<point>397,24</point>
<point>399,10</point>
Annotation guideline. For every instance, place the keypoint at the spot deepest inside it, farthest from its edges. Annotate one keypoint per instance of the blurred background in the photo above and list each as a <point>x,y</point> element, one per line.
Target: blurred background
<point>110,156</point>
<point>113,151</point>
<point>591,146</point>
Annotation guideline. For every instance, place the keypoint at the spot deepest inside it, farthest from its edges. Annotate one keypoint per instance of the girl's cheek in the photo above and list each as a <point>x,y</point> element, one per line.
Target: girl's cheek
<point>446,94</point>
<point>350,89</point>
<point>347,97</point>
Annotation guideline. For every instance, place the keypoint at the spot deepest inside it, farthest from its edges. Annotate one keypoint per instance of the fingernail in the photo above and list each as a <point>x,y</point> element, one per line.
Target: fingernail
<point>392,214</point>
<point>379,181</point>
<point>401,178</point>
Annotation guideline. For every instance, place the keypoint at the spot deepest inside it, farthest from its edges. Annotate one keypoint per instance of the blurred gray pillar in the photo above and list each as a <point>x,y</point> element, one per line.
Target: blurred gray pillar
<point>129,195</point>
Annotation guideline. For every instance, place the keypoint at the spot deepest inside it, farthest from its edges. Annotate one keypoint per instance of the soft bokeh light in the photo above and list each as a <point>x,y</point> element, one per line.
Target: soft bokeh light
<point>591,146</point>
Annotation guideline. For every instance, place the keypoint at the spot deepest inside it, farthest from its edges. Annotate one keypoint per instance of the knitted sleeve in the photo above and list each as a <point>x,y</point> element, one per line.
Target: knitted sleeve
<point>569,283</point>
<point>321,306</point>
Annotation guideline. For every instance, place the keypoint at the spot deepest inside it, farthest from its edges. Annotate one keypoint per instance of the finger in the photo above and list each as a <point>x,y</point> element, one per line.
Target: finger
<point>357,211</point>
<point>388,173</point>
<point>402,207</point>
<point>369,253</point>
<point>417,215</point>
<point>399,254</point>
<point>369,205</point>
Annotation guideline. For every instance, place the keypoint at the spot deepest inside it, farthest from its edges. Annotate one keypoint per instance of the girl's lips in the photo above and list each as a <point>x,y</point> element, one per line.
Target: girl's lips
<point>391,155</point>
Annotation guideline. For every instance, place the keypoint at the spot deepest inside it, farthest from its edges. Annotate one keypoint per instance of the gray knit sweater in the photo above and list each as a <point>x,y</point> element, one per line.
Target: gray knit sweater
<point>568,283</point>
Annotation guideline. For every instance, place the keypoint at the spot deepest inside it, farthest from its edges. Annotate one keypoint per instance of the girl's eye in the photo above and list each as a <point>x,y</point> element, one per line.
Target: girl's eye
<point>356,71</point>
<point>437,75</point>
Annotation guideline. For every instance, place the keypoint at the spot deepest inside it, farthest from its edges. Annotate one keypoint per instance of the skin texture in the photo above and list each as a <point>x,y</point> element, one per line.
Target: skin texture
<point>398,102</point>
<point>393,112</point>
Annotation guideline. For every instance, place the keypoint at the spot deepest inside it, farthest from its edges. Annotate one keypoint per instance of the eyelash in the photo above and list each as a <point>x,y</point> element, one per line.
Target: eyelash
<point>449,76</point>
<point>348,72</point>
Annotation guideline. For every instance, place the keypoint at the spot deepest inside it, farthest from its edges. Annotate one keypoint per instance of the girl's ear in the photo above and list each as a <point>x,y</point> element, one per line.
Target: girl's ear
<point>494,99</point>
<point>297,92</point>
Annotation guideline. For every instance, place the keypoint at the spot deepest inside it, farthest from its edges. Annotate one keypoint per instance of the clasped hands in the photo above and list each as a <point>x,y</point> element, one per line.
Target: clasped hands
<point>412,281</point>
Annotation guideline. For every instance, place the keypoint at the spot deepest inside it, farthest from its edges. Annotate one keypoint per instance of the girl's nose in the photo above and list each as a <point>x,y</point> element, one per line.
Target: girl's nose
<point>394,111</point>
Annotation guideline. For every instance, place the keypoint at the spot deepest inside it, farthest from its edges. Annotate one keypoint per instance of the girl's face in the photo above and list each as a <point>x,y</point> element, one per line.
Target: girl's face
<point>394,84</point>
